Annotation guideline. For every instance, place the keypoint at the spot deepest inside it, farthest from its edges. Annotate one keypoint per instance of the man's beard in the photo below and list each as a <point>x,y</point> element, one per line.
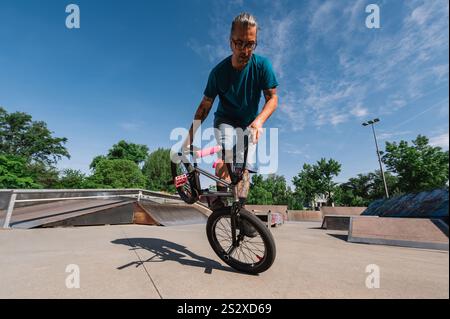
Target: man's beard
<point>244,59</point>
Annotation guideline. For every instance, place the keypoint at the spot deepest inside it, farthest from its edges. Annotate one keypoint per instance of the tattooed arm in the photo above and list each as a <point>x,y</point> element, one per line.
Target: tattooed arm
<point>200,115</point>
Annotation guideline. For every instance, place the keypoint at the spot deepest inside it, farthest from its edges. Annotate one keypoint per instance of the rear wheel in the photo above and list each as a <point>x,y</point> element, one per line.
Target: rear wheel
<point>254,254</point>
<point>188,192</point>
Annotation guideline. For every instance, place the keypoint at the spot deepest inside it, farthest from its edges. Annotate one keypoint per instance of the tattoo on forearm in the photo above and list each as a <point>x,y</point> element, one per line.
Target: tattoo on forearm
<point>203,109</point>
<point>201,113</point>
<point>244,185</point>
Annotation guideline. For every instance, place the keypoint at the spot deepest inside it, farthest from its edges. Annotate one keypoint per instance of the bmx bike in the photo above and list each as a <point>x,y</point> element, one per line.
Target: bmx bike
<point>227,228</point>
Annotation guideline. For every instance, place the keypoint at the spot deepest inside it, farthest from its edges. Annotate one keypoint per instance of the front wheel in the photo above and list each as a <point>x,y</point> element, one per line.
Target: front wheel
<point>254,254</point>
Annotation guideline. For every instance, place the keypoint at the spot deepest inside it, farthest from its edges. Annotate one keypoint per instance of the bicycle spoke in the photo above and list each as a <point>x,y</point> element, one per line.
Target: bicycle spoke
<point>249,252</point>
<point>254,244</point>
<point>246,257</point>
<point>223,234</point>
<point>223,229</point>
<point>252,252</point>
<point>255,249</point>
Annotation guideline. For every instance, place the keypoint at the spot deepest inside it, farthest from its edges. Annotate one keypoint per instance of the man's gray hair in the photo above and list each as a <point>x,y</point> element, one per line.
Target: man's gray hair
<point>246,20</point>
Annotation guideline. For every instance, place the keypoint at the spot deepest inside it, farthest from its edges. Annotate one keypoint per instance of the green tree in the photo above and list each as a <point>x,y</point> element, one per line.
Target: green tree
<point>117,173</point>
<point>327,170</point>
<point>419,166</point>
<point>276,185</point>
<point>306,184</point>
<point>269,191</point>
<point>45,175</point>
<point>359,186</point>
<point>32,140</point>
<point>96,160</point>
<point>317,179</point>
<point>157,171</point>
<point>346,197</point>
<point>14,174</point>
<point>365,188</point>
<point>378,191</point>
<point>258,194</point>
<point>295,200</point>
<point>71,179</point>
<point>136,153</point>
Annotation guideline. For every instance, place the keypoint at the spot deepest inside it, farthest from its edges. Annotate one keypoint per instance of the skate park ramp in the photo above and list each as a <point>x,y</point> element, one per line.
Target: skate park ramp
<point>427,233</point>
<point>342,211</point>
<point>304,215</point>
<point>430,204</point>
<point>413,220</point>
<point>175,214</point>
<point>338,218</point>
<point>27,209</point>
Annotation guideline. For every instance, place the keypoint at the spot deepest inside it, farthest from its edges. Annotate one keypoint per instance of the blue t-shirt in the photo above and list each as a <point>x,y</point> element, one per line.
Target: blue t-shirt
<point>239,91</point>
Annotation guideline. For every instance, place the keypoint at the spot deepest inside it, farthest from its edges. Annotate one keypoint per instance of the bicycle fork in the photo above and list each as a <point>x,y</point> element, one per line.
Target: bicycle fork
<point>235,208</point>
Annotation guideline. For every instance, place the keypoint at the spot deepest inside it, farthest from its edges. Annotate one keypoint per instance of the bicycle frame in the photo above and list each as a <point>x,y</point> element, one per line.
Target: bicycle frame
<point>234,208</point>
<point>235,179</point>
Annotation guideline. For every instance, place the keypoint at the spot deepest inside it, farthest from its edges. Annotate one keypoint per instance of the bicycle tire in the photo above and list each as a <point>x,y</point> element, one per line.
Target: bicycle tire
<point>264,262</point>
<point>190,194</point>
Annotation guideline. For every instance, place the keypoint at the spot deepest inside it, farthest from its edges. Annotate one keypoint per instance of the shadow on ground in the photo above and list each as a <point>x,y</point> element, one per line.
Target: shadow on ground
<point>339,236</point>
<point>166,250</point>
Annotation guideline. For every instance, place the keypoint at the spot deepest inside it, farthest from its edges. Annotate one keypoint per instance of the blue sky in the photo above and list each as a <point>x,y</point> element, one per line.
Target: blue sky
<point>135,70</point>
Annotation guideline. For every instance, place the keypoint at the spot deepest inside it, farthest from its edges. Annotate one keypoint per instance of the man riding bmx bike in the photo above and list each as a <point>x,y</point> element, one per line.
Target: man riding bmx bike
<point>238,80</point>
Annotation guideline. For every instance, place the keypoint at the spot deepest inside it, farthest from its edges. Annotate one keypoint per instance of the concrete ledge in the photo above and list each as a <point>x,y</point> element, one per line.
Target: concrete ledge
<point>339,222</point>
<point>304,215</point>
<point>402,243</point>
<point>407,232</point>
<point>343,211</point>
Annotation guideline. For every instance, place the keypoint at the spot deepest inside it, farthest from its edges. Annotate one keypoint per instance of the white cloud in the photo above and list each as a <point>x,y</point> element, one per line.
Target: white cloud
<point>439,105</point>
<point>292,149</point>
<point>359,111</point>
<point>440,140</point>
<point>424,12</point>
<point>440,71</point>
<point>391,135</point>
<point>277,41</point>
<point>292,111</point>
<point>336,119</point>
<point>323,19</point>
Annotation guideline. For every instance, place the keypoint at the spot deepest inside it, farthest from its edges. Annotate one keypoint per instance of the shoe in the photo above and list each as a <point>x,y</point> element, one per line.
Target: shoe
<point>247,229</point>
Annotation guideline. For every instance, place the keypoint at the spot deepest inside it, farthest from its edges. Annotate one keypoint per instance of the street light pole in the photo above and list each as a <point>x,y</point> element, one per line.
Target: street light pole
<point>372,122</point>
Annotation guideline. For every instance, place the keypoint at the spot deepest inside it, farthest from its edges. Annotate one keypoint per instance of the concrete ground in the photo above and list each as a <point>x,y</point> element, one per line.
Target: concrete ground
<point>133,261</point>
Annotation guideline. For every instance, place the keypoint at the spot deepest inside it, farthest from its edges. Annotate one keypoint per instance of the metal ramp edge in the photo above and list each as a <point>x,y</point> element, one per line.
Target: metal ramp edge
<point>43,220</point>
